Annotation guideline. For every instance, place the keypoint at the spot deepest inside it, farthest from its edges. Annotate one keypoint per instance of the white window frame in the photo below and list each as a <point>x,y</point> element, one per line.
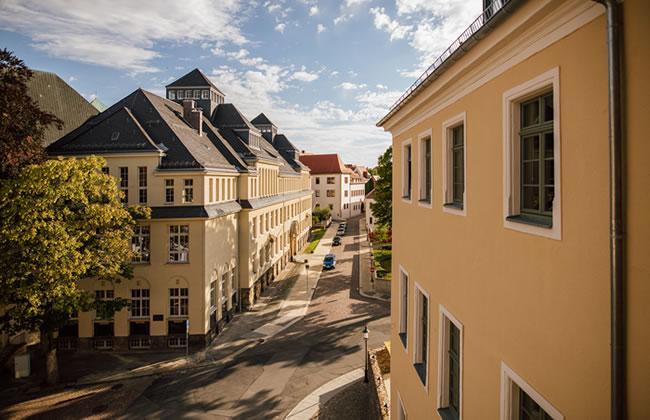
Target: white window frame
<point>183,254</point>
<point>509,382</point>
<point>141,299</point>
<point>445,319</point>
<point>205,94</point>
<point>418,289</point>
<point>402,308</point>
<point>447,177</point>
<point>407,199</point>
<point>421,164</point>
<point>140,238</point>
<point>188,190</point>
<point>171,94</point>
<point>169,186</point>
<point>178,299</point>
<point>512,99</point>
<point>180,94</point>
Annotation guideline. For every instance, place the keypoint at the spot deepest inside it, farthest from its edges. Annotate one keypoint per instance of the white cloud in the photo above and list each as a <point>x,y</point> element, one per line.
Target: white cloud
<point>273,7</point>
<point>120,33</point>
<point>313,10</point>
<point>321,28</point>
<point>280,27</point>
<point>351,86</point>
<point>385,23</point>
<point>71,79</point>
<point>382,87</point>
<point>304,76</point>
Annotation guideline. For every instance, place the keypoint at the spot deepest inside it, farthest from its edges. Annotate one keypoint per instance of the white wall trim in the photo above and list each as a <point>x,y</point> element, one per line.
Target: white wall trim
<point>444,318</point>
<point>511,100</point>
<point>423,135</point>
<point>418,288</point>
<point>559,23</point>
<point>452,122</point>
<point>406,143</point>
<point>401,406</point>
<point>508,378</point>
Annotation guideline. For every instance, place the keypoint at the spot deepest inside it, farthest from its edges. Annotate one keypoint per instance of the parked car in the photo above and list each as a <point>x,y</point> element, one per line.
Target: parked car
<point>329,262</point>
<point>340,232</point>
<point>336,241</point>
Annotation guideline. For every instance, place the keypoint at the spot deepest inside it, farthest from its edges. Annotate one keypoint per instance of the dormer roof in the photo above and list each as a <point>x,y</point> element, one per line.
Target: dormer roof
<point>262,120</point>
<point>195,78</point>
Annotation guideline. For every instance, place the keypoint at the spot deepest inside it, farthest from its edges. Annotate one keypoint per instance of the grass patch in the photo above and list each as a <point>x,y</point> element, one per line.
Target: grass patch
<point>315,235</point>
<point>383,256</point>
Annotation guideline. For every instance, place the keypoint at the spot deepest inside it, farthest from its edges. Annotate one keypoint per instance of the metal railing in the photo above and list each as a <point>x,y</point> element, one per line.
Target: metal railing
<point>487,14</point>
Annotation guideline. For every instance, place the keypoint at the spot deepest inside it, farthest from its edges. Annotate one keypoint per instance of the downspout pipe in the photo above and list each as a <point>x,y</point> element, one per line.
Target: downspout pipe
<point>616,208</point>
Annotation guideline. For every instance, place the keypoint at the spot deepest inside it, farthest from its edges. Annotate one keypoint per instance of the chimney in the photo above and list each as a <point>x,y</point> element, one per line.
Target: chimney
<point>193,115</point>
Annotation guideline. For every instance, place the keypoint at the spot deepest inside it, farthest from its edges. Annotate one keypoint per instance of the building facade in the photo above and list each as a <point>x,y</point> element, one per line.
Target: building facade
<point>501,220</point>
<point>335,186</point>
<point>231,204</point>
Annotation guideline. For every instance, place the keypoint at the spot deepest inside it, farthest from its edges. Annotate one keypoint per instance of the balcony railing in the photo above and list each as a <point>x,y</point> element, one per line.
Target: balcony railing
<point>487,15</point>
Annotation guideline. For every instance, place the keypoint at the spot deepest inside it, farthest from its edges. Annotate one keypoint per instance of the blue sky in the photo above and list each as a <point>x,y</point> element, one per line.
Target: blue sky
<point>323,71</point>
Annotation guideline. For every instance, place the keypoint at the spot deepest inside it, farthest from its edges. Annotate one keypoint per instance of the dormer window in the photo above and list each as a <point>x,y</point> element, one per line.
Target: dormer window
<point>171,94</point>
<point>179,95</point>
<point>197,94</point>
<point>205,94</point>
<point>188,94</point>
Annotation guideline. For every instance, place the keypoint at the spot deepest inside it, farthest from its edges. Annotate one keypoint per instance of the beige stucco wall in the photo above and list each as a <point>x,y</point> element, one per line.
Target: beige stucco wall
<point>540,305</point>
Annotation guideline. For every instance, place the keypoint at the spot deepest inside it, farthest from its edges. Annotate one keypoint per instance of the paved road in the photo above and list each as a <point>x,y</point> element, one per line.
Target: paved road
<point>268,380</point>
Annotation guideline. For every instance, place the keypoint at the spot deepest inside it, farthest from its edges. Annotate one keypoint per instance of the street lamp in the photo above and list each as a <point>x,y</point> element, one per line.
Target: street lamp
<point>365,339</point>
<point>307,274</point>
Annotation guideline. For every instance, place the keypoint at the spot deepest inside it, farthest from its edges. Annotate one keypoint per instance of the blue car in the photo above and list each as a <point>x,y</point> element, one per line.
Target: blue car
<point>329,262</point>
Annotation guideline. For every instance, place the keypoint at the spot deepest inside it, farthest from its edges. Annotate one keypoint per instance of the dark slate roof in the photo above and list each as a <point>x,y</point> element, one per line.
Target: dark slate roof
<point>55,96</point>
<point>288,152</point>
<point>209,211</point>
<point>162,121</point>
<point>193,78</point>
<point>119,132</point>
<point>228,116</point>
<point>255,203</point>
<point>261,120</point>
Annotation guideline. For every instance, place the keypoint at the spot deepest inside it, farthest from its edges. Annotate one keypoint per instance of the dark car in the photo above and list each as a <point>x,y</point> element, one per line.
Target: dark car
<point>340,232</point>
<point>336,241</point>
<point>329,262</point>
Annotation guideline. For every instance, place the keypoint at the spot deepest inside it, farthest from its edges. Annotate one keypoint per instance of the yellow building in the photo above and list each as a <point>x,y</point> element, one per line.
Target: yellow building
<point>230,204</point>
<point>511,300</point>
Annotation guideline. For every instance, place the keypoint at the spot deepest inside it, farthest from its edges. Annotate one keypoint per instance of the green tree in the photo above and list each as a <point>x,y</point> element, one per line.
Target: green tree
<point>22,123</point>
<point>320,214</point>
<point>382,208</point>
<point>60,221</point>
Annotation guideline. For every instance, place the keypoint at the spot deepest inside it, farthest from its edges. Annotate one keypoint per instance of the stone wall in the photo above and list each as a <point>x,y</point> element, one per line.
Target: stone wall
<point>379,398</point>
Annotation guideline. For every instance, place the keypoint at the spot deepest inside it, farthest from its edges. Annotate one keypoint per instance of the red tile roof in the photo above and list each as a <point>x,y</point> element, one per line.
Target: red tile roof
<point>324,164</point>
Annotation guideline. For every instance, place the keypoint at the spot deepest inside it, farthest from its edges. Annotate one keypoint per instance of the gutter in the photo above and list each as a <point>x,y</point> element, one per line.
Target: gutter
<point>618,399</point>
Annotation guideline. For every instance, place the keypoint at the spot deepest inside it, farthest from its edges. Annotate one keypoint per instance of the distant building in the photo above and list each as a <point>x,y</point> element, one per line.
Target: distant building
<point>371,221</point>
<point>231,205</point>
<point>98,105</point>
<point>335,185</point>
<point>55,96</point>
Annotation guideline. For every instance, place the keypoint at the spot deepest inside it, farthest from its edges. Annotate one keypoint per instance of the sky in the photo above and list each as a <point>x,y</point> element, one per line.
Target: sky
<point>324,71</point>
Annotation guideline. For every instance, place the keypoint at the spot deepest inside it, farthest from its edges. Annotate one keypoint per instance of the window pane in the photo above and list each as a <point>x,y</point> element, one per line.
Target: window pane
<point>530,148</point>
<point>549,167</point>
<point>530,172</point>
<point>548,107</point>
<point>548,145</point>
<point>549,194</point>
<point>531,198</point>
<point>530,113</point>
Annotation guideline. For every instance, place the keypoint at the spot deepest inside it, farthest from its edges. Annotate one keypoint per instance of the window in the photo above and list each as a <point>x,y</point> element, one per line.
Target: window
<point>169,191</point>
<point>401,411</point>
<point>180,95</point>
<point>188,94</point>
<point>421,339</point>
<point>142,184</point>
<point>331,206</point>
<point>140,244</point>
<point>403,305</point>
<point>520,401</point>
<point>213,295</point>
<point>453,165</point>
<point>345,179</point>
<point>406,171</point>
<point>106,171</point>
<point>171,94</point>
<point>104,294</point>
<point>188,190</point>
<point>330,193</point>
<point>179,240</point>
<point>205,94</point>
<point>197,94</point>
<point>532,199</point>
<point>345,193</point>
<point>317,193</point>
<point>331,180</point>
<point>450,366</point>
<point>425,169</point>
<point>178,301</point>
<point>124,183</point>
<point>317,180</point>
<point>139,303</point>
<point>224,292</point>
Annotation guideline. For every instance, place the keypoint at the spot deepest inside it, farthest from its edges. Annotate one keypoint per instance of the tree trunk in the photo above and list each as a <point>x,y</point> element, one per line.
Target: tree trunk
<point>51,363</point>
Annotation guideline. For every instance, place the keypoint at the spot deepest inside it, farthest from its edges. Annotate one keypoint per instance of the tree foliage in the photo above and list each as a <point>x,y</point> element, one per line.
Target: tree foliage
<point>22,123</point>
<point>60,221</point>
<point>382,208</point>
<point>320,214</point>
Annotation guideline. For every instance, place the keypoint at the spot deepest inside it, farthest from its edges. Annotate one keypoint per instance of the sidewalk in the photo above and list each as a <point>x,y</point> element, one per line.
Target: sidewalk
<point>286,303</point>
<point>366,286</point>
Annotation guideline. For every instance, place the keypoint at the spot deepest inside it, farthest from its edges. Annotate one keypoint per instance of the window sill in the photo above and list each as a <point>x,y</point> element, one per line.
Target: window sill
<point>447,414</point>
<point>421,370</point>
<point>177,262</point>
<point>402,337</point>
<point>542,222</point>
<point>141,262</point>
<point>456,206</point>
<point>424,203</point>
